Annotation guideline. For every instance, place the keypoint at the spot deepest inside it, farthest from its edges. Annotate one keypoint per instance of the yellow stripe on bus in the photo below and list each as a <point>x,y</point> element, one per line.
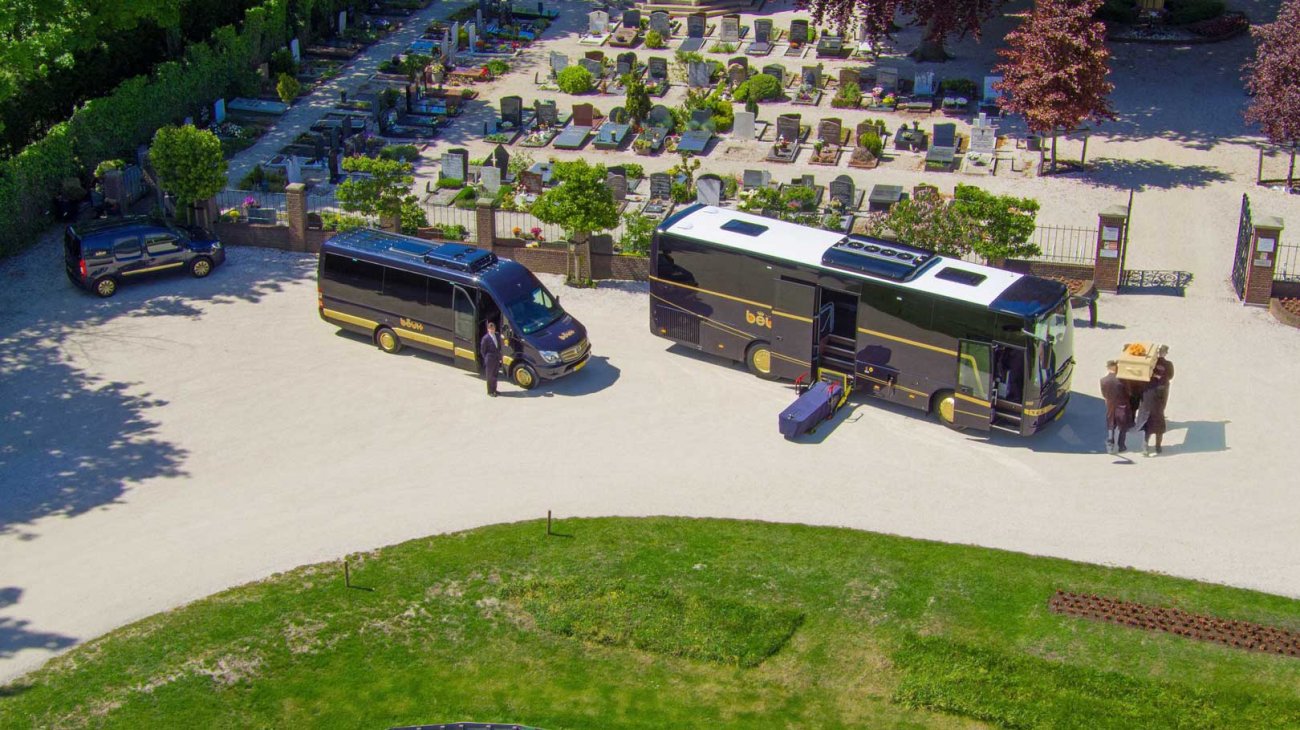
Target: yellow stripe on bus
<point>714,293</point>
<point>350,319</point>
<point>906,341</point>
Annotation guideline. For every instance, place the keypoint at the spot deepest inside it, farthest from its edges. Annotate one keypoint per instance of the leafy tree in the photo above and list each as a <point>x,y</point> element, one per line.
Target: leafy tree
<point>1001,225</point>
<point>413,65</point>
<point>385,193</point>
<point>637,103</point>
<point>1056,67</point>
<point>575,80</point>
<point>941,18</point>
<point>413,217</point>
<point>580,202</point>
<point>925,220</point>
<point>762,87</point>
<point>189,163</point>
<point>1274,78</point>
<point>637,231</point>
<point>287,88</point>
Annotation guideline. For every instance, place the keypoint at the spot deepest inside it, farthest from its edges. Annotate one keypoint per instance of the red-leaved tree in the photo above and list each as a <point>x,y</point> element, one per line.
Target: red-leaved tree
<point>941,18</point>
<point>1056,66</point>
<point>1274,79</point>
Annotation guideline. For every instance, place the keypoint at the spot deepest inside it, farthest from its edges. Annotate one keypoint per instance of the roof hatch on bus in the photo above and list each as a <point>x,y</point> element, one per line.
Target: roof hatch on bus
<point>886,260</point>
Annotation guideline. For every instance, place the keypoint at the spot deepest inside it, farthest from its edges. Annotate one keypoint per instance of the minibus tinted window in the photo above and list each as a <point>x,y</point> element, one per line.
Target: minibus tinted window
<point>353,276</point>
<point>535,310</point>
<point>405,287</point>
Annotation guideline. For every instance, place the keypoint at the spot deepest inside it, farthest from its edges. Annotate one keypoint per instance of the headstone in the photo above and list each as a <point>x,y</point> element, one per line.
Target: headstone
<point>343,21</point>
<point>850,76</point>
<point>828,130</point>
<point>616,181</point>
<point>798,31</point>
<point>811,77</point>
<point>618,115</point>
<point>983,136</point>
<point>598,22</point>
<point>546,111</point>
<point>219,111</point>
<point>559,62</point>
<point>296,49</point>
<point>446,47</point>
<point>743,125</point>
<point>864,127</point>
<point>660,22</point>
<point>490,179</point>
<point>696,25</point>
<point>454,48</point>
<point>631,18</point>
<point>478,13</point>
<point>702,119</point>
<point>756,179</point>
<point>923,83</point>
<point>763,30</point>
<point>660,116</point>
<point>661,186</point>
<point>530,181</point>
<point>730,28</point>
<point>991,95</point>
<point>787,127</point>
<point>737,74</point>
<point>473,38</point>
<point>512,110</point>
<point>595,55</point>
<point>887,78</point>
<point>501,160</point>
<point>594,67</point>
<point>699,74</point>
<point>658,68</point>
<point>775,70</point>
<point>708,190</point>
<point>626,63</point>
<point>583,115</point>
<point>841,189</point>
<point>455,164</point>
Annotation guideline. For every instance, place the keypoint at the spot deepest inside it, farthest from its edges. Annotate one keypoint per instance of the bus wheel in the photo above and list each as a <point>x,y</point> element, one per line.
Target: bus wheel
<point>106,287</point>
<point>200,267</point>
<point>523,376</point>
<point>944,407</point>
<point>758,358</point>
<point>387,341</point>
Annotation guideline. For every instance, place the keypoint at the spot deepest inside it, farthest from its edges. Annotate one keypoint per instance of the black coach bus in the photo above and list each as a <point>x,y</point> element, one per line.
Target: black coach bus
<point>977,346</point>
<point>439,297</point>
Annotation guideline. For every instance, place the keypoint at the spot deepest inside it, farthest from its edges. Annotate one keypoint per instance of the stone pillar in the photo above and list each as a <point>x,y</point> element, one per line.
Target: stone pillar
<point>1112,229</point>
<point>295,206</point>
<point>485,224</point>
<point>1263,258</point>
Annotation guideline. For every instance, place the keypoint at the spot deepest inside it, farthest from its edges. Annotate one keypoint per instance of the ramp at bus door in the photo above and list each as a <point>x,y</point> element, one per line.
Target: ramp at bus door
<point>813,406</point>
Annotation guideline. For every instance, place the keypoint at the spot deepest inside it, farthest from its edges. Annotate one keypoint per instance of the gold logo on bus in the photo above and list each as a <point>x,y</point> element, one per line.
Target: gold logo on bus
<point>411,324</point>
<point>759,318</point>
<point>566,335</point>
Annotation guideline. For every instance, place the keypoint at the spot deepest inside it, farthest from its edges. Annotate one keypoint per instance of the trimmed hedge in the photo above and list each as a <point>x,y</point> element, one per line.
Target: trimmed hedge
<point>112,126</point>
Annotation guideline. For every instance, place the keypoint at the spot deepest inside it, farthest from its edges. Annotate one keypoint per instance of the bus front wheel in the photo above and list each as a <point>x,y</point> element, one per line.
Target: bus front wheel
<point>944,407</point>
<point>523,376</point>
<point>388,341</point>
<point>758,358</point>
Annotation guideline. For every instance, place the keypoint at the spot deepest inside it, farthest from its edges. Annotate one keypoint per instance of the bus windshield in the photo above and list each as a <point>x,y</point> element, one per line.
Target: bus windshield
<point>1054,333</point>
<point>535,310</point>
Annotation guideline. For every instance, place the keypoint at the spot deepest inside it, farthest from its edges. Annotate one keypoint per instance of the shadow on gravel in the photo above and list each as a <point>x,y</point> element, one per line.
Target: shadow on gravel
<point>15,636</point>
<point>597,375</point>
<point>71,442</point>
<point>1142,175</point>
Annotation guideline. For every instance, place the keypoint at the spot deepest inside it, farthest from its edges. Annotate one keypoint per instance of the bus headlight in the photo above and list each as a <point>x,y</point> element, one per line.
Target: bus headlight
<point>550,356</point>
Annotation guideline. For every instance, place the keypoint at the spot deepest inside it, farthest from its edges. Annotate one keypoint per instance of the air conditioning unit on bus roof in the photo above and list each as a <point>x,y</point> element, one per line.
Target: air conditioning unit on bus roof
<point>893,261</point>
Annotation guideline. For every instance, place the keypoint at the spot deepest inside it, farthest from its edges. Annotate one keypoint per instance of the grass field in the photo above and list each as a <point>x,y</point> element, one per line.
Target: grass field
<point>659,623</point>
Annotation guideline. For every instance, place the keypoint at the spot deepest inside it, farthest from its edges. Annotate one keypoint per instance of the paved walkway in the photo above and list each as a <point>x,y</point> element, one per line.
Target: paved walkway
<point>308,110</point>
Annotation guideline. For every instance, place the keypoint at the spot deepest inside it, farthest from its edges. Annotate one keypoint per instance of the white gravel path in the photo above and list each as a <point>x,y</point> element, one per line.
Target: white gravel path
<point>157,447</point>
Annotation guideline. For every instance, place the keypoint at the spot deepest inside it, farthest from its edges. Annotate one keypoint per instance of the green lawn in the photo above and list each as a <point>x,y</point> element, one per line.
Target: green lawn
<point>671,623</point>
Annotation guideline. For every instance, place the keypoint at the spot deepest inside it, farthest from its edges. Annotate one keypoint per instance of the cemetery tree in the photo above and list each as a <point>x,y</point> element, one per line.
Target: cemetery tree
<point>637,103</point>
<point>1000,225</point>
<point>580,202</point>
<point>1273,79</point>
<point>287,88</point>
<point>1056,66</point>
<point>574,80</point>
<point>189,163</point>
<point>941,18</point>
<point>413,65</point>
<point>385,194</point>
<point>926,220</point>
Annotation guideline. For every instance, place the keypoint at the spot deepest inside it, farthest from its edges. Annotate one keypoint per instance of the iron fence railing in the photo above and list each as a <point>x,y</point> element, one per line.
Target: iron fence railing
<point>1066,245</point>
<point>1287,263</point>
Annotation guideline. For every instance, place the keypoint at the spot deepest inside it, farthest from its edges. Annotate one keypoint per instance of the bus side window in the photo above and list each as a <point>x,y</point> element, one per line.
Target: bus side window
<point>439,298</point>
<point>357,280</point>
<point>465,316</point>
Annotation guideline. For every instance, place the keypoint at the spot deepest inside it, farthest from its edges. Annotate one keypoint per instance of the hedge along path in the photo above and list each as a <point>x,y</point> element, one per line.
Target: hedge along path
<point>1237,634</point>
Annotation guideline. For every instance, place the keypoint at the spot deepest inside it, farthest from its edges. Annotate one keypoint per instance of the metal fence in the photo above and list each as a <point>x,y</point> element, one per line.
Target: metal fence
<point>1287,263</point>
<point>508,220</point>
<point>1066,245</point>
<point>443,216</point>
<point>227,199</point>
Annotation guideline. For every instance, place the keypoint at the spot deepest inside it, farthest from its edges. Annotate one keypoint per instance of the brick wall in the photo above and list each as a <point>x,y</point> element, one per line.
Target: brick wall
<point>267,236</point>
<point>1049,268</point>
<point>1286,289</point>
<point>625,268</point>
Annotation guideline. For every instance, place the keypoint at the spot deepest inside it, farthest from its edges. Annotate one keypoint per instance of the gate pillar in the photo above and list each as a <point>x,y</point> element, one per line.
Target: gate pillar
<point>1112,232</point>
<point>1263,258</point>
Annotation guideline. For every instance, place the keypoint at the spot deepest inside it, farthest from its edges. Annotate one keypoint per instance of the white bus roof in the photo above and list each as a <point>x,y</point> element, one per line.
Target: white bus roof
<point>805,246</point>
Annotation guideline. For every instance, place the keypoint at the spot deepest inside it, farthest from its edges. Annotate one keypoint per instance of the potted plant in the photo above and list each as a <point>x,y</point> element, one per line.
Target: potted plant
<point>537,233</point>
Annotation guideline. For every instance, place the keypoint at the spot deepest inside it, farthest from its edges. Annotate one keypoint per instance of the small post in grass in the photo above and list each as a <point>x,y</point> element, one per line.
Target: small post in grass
<point>548,522</point>
<point>347,575</point>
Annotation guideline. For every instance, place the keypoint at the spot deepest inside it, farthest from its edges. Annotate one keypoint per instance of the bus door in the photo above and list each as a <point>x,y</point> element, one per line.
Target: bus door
<point>792,328</point>
<point>465,329</point>
<point>974,406</point>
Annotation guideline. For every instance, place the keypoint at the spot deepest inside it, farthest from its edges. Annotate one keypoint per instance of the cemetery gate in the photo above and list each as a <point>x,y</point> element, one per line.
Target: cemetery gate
<point>1241,260</point>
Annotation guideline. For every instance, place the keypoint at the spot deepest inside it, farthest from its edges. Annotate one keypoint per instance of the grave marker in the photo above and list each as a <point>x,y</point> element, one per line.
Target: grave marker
<point>737,74</point>
<point>455,164</point>
<point>787,127</point>
<point>661,186</point>
<point>696,25</point>
<point>730,28</point>
<point>842,189</point>
<point>743,125</point>
<point>512,110</point>
<point>699,74</point>
<point>501,160</point>
<point>594,67</point>
<point>658,68</point>
<point>829,130</point>
<point>616,181</point>
<point>219,111</point>
<point>777,71</point>
<point>546,111</point>
<point>296,49</point>
<point>708,190</point>
<point>598,22</point>
<point>798,31</point>
<point>756,179</point>
<point>583,115</point>
<point>660,116</point>
<point>490,179</point>
<point>559,62</point>
<point>661,23</point>
<point>631,18</point>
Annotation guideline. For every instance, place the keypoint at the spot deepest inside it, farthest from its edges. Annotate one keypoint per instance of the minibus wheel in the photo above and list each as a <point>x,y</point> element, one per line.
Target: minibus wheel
<point>758,358</point>
<point>106,287</point>
<point>388,341</point>
<point>944,407</point>
<point>523,376</point>
<point>201,267</point>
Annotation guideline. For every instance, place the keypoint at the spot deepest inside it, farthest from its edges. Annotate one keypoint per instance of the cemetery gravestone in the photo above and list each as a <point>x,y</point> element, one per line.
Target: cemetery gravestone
<point>702,119</point>
<point>850,76</point>
<point>501,160</point>
<point>595,55</point>
<point>699,74</point>
<point>658,68</point>
<point>219,111</point>
<point>547,113</point>
<point>730,28</point>
<point>740,61</point>
<point>787,127</point>
<point>708,190</point>
<point>742,127</point>
<point>530,181</point>
<point>798,31</point>
<point>625,64</point>
<point>631,18</point>
<point>296,49</point>
<point>828,131</point>
<point>559,62</point>
<point>512,110</point>
<point>660,116</point>
<point>598,22</point>
<point>583,115</point>
<point>618,115</point>
<point>490,179</point>
<point>661,186</point>
<point>455,164</point>
<point>811,78</point>
<point>616,180</point>
<point>887,78</point>
<point>983,136</point>
<point>777,71</point>
<point>473,38</point>
<point>753,179</point>
<point>661,24</point>
<point>841,189</point>
<point>696,25</point>
<point>737,74</point>
<point>593,66</point>
<point>762,44</point>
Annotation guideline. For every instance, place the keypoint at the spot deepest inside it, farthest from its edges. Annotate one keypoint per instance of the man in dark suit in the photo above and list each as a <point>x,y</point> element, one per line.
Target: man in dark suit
<point>489,348</point>
<point>1115,392</point>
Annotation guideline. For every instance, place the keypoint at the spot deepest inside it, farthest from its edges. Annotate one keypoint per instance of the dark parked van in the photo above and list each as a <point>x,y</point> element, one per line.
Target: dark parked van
<point>103,254</point>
